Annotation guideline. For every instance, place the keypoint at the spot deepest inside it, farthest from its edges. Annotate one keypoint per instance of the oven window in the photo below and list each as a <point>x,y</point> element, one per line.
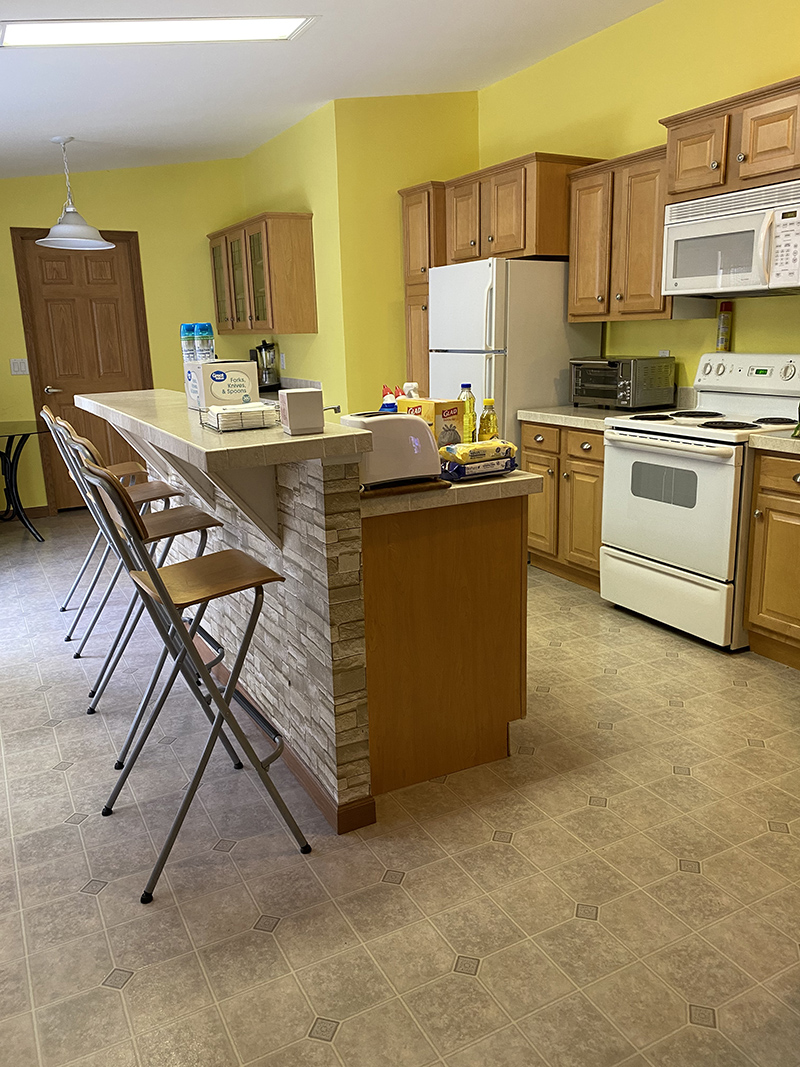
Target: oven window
<point>670,485</point>
<point>709,257</point>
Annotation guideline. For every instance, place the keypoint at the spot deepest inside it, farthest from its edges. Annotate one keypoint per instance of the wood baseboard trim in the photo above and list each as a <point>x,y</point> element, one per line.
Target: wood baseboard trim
<point>772,648</point>
<point>588,579</point>
<point>342,817</point>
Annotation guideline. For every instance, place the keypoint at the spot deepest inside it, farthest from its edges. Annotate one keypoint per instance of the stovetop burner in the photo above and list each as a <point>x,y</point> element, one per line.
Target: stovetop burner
<point>726,424</point>
<point>653,418</point>
<point>694,413</point>
<point>775,422</point>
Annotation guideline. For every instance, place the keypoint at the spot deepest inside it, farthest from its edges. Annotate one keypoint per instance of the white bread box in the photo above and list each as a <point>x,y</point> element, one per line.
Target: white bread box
<point>403,448</point>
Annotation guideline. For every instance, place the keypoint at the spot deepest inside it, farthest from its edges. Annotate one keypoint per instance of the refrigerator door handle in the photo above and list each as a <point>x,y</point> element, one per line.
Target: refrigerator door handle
<point>488,376</point>
<point>487,320</point>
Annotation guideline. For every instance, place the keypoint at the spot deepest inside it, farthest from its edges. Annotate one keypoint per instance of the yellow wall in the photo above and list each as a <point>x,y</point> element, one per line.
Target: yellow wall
<point>604,97</point>
<point>385,144</point>
<point>172,208</point>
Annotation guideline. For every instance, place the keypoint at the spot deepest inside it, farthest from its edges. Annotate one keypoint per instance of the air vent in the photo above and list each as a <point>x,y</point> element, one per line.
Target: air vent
<point>726,204</point>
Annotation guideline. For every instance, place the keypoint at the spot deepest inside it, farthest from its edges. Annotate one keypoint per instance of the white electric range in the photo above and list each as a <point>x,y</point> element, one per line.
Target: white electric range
<point>676,496</point>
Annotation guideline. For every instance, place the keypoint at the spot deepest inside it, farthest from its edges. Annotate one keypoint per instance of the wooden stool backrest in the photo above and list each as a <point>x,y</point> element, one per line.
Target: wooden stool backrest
<point>116,502</point>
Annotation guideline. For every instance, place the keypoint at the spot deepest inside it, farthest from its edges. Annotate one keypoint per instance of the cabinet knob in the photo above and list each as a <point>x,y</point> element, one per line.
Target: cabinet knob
<point>599,300</point>
<point>796,478</point>
<point>490,238</point>
<point>714,165</point>
<point>757,514</point>
<point>741,157</point>
<point>422,270</point>
<point>586,446</point>
<point>550,471</point>
<point>472,244</point>
<point>618,296</point>
<point>565,474</point>
<point>424,307</point>
<point>539,438</point>
<point>250,317</point>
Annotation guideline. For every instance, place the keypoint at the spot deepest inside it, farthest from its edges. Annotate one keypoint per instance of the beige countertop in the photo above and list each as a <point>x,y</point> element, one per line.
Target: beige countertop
<point>518,483</point>
<point>161,418</point>
<point>780,441</point>
<point>580,418</point>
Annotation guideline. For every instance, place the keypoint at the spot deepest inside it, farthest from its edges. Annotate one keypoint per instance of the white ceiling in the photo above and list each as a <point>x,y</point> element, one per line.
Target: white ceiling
<point>153,104</point>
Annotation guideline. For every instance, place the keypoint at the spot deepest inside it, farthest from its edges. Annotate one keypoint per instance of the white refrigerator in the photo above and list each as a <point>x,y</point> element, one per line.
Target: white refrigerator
<point>501,325</point>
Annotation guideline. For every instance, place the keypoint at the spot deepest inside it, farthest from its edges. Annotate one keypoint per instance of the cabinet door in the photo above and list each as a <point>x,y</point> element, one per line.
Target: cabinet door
<point>463,221</point>
<point>417,338</point>
<point>770,141</point>
<point>240,299</point>
<point>581,512</point>
<point>590,245</point>
<point>416,236</point>
<point>696,154</point>
<point>220,277</point>
<point>638,237</point>
<point>542,507</point>
<point>774,580</point>
<point>260,313</point>
<point>507,219</point>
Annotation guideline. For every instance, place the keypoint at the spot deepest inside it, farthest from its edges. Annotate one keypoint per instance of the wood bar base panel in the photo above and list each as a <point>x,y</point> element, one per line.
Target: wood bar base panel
<point>445,608</point>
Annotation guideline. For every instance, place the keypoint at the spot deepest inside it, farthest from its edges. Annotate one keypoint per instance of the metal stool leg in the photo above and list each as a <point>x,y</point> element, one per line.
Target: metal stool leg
<point>87,595</point>
<point>98,610</point>
<point>84,567</point>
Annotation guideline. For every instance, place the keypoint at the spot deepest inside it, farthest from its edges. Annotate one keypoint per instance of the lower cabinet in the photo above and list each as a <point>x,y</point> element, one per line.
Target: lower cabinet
<point>564,520</point>
<point>773,593</point>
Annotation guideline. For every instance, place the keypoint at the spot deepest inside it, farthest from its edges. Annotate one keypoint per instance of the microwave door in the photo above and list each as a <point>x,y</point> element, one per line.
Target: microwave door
<point>712,256</point>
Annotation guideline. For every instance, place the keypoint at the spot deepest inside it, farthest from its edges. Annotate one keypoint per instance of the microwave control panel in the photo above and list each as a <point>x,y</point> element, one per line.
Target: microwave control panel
<point>786,248</point>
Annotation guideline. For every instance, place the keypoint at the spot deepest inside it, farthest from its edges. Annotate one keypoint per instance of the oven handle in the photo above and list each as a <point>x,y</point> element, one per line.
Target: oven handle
<point>700,451</point>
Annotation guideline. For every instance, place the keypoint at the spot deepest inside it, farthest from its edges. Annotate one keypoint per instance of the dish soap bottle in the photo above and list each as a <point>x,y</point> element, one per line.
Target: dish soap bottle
<point>468,397</point>
<point>487,431</point>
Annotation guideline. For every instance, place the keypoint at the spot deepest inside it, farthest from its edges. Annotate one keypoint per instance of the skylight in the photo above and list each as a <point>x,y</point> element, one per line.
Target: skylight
<point>147,31</point>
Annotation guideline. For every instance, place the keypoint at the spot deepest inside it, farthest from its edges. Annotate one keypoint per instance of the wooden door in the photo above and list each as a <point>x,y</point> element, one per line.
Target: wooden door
<point>590,245</point>
<point>220,278</point>
<point>507,225</point>
<point>638,237</point>
<point>416,236</point>
<point>696,154</point>
<point>237,262</point>
<point>581,507</point>
<point>542,507</point>
<point>770,142</point>
<point>463,221</point>
<point>773,601</point>
<point>260,312</point>
<point>417,338</point>
<point>85,332</point>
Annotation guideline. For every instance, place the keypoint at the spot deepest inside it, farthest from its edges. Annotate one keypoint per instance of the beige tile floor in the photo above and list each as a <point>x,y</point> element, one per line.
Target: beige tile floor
<point>622,890</point>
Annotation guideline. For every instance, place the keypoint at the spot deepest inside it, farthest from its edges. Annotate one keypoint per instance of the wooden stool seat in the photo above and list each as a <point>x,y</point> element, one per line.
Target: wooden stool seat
<point>127,470</point>
<point>196,581</point>
<point>174,521</point>
<point>147,492</point>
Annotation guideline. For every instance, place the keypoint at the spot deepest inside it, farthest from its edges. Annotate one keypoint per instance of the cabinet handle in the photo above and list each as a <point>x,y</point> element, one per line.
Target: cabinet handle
<point>490,238</point>
<point>757,514</point>
<point>565,474</point>
<point>424,307</point>
<point>714,165</point>
<point>550,471</point>
<point>472,244</point>
<point>250,317</point>
<point>586,446</point>
<point>741,157</point>
<point>796,478</point>
<point>618,296</point>
<point>422,270</point>
<point>538,438</point>
<point>599,300</point>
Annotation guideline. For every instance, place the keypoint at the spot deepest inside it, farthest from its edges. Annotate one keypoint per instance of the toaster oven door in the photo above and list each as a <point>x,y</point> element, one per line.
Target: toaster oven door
<point>598,381</point>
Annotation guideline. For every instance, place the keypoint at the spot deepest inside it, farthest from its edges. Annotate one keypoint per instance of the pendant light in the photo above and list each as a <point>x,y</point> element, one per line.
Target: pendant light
<point>72,231</point>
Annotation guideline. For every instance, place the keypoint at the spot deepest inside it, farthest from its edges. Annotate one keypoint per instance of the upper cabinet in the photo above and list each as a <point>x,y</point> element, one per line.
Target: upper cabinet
<point>744,141</point>
<point>263,275</point>
<point>423,230</point>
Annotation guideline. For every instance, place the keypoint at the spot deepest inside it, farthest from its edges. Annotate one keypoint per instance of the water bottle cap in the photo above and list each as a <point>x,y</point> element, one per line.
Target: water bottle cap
<point>203,329</point>
<point>187,329</point>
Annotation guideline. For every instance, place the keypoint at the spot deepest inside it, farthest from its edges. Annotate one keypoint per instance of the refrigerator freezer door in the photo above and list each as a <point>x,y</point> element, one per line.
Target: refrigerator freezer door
<point>485,373</point>
<point>467,305</point>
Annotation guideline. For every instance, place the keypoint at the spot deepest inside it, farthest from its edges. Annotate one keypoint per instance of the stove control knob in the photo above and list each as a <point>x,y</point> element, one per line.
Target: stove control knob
<point>788,371</point>
<point>707,368</point>
<point>720,368</point>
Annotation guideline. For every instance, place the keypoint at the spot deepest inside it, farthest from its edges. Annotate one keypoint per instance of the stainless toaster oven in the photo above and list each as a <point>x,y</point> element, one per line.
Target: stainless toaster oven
<point>624,382</point>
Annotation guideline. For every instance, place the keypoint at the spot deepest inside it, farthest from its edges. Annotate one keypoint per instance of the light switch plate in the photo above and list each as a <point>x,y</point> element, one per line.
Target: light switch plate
<point>19,366</point>
<point>663,352</point>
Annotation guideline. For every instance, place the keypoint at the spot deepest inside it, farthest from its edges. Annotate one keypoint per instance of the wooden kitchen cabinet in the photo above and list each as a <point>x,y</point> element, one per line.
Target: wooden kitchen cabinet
<point>423,230</point>
<point>773,580</point>
<point>263,275</point>
<point>564,520</point>
<point>590,245</point>
<point>463,221</point>
<point>738,143</point>
<point>417,337</point>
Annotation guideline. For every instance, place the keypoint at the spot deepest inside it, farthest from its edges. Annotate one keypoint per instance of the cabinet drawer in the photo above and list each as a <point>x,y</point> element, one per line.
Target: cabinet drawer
<point>779,472</point>
<point>540,438</point>
<point>578,440</point>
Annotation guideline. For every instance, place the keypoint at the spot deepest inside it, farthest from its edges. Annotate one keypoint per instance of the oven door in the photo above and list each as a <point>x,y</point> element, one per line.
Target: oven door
<point>673,500</point>
<point>718,255</point>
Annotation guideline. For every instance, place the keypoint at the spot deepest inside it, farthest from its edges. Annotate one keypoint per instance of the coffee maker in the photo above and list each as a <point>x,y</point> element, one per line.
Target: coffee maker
<point>266,355</point>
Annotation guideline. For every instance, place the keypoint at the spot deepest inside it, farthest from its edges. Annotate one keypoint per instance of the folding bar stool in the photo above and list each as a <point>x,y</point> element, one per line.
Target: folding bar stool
<point>166,592</point>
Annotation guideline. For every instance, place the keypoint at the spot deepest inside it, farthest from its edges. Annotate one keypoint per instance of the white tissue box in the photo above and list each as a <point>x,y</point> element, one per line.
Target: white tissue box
<point>220,382</point>
<point>301,411</point>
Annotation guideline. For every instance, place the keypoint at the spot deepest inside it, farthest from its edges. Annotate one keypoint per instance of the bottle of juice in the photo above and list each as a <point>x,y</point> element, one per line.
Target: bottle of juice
<point>468,397</point>
<point>488,431</point>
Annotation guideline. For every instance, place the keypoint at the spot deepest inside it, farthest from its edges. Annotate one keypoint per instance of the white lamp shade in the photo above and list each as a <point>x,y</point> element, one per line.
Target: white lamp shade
<point>72,231</point>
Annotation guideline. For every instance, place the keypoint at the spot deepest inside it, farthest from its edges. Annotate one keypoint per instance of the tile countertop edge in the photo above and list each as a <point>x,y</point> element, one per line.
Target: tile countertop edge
<point>587,418</point>
<point>519,483</point>
<point>782,441</point>
<point>161,418</point>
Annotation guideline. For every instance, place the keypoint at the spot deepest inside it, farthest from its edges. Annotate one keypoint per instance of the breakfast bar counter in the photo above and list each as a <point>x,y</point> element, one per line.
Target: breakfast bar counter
<point>394,651</point>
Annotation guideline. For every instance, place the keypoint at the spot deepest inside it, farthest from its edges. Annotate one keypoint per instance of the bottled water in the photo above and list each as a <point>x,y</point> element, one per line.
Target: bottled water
<point>187,341</point>
<point>203,341</point>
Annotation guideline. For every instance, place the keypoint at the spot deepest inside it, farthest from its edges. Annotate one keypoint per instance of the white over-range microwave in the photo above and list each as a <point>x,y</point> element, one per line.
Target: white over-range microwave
<point>746,242</point>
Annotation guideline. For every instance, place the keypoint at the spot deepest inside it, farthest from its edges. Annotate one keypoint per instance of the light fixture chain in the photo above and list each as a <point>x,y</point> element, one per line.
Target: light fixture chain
<point>66,172</point>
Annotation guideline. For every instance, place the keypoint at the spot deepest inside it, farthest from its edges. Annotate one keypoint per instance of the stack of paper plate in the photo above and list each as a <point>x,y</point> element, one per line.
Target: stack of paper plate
<point>254,416</point>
